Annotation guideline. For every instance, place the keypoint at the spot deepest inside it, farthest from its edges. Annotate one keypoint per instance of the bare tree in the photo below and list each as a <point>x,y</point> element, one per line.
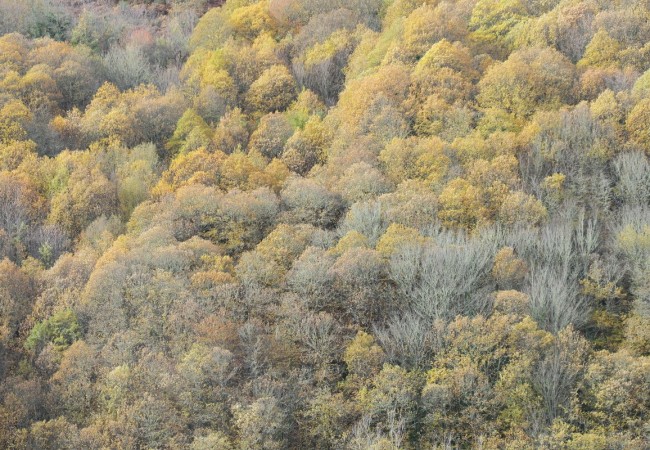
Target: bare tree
<point>409,341</point>
<point>555,300</point>
<point>446,278</point>
<point>557,374</point>
<point>367,219</point>
<point>632,170</point>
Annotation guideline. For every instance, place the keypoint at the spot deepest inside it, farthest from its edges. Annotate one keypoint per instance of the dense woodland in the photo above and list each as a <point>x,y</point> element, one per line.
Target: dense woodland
<point>325,224</point>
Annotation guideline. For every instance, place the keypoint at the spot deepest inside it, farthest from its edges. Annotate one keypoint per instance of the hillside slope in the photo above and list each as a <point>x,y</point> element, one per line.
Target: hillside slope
<point>311,224</point>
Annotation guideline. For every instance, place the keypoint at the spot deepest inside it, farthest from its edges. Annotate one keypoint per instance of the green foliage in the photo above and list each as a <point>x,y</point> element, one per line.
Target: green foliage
<point>492,20</point>
<point>191,133</point>
<point>62,329</point>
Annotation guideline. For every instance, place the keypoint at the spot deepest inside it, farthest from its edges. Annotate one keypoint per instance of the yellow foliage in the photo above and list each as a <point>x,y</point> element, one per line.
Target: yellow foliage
<point>13,50</point>
<point>274,176</point>
<point>602,51</point>
<point>273,91</point>
<point>307,147</point>
<point>391,81</point>
<point>236,170</point>
<point>396,236</point>
<point>634,242</point>
<point>508,270</point>
<point>352,239</point>
<point>553,186</point>
<point>285,243</point>
<point>512,302</point>
<point>637,335</point>
<point>519,207</point>
<point>363,357</point>
<point>418,34</point>
<point>14,153</point>
<point>502,169</point>
<point>595,285</point>
<point>637,125</point>
<point>528,80</point>
<point>250,21</point>
<point>442,54</point>
<point>339,41</point>
<point>197,166</point>
<point>491,22</point>
<point>14,115</point>
<point>461,205</point>
<point>211,31</point>
<point>414,158</point>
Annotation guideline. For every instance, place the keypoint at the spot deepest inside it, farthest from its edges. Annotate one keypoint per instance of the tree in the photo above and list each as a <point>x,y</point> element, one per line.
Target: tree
<point>261,425</point>
<point>52,434</point>
<point>361,181</point>
<point>271,135</point>
<point>14,50</point>
<point>75,70</point>
<point>414,158</point>
<point>21,205</point>
<point>460,205</point>
<point>528,80</point>
<point>83,200</point>
<point>396,236</point>
<point>204,375</point>
<point>358,278</point>
<point>572,28</point>
<point>392,81</point>
<point>363,357</point>
<point>560,371</point>
<point>326,418</point>
<point>491,22</point>
<point>73,391</point>
<point>127,67</point>
<point>273,91</point>
<point>512,302</point>
<point>62,330</point>
<point>211,31</point>
<point>436,117</point>
<point>634,125</point>
<point>306,147</point>
<point>272,258</point>
<point>509,271</point>
<point>321,66</point>
<point>437,281</point>
<point>481,379</point>
<point>154,421</point>
<point>136,116</point>
<point>310,278</point>
<point>211,441</point>
<point>412,204</point>
<point>16,293</point>
<point>394,391</point>
<point>446,70</point>
<point>555,301</point>
<point>518,207</point>
<point>251,20</point>
<point>602,51</point>
<point>14,117</point>
<point>232,133</point>
<point>309,202</point>
<point>344,224</point>
<point>428,24</point>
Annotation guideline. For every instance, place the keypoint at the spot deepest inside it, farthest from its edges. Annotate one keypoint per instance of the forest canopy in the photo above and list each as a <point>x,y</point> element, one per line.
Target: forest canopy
<point>325,224</point>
